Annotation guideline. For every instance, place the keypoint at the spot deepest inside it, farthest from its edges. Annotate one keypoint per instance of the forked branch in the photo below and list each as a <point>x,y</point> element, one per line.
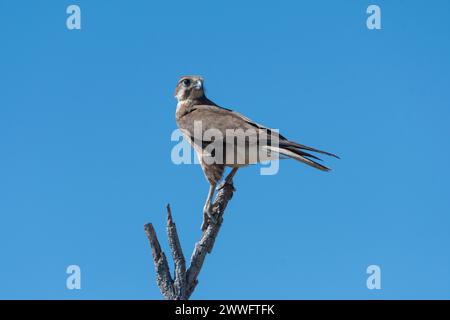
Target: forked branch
<point>184,281</point>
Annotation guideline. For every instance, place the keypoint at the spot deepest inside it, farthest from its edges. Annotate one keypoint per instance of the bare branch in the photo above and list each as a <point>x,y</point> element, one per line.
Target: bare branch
<point>206,243</point>
<point>186,280</point>
<point>178,257</point>
<point>163,277</point>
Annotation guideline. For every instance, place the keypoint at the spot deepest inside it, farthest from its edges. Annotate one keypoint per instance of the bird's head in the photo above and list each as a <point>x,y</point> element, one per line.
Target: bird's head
<point>189,88</point>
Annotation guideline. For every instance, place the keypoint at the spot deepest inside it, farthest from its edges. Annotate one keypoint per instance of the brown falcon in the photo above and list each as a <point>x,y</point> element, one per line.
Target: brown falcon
<point>195,109</point>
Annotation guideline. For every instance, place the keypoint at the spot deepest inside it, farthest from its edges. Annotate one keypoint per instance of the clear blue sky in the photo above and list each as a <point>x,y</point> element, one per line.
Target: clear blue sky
<point>85,124</point>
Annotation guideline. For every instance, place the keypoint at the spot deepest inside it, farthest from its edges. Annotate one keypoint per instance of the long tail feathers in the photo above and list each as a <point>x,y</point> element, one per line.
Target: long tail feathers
<point>290,144</point>
<point>295,151</point>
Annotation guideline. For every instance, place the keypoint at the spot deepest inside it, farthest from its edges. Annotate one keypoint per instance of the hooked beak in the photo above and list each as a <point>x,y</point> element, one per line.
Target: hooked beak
<point>198,84</point>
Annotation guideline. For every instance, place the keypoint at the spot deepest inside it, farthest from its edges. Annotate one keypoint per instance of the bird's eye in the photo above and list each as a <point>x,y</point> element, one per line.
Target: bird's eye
<point>186,82</point>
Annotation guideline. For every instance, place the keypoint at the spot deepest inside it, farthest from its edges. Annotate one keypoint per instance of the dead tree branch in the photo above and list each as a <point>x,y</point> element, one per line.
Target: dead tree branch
<point>183,284</point>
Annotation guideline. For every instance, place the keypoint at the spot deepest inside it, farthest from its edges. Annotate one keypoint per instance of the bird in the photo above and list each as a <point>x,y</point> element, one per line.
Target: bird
<point>193,108</point>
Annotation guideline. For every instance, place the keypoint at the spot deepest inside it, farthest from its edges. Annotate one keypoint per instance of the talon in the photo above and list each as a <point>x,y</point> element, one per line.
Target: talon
<point>222,185</point>
<point>210,215</point>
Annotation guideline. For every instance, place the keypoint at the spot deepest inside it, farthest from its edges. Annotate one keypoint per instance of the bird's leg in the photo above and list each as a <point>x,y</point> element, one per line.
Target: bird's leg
<point>207,212</point>
<point>228,179</point>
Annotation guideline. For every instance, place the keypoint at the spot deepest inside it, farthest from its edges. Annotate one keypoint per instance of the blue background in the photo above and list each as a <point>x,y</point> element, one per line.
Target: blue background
<point>85,124</point>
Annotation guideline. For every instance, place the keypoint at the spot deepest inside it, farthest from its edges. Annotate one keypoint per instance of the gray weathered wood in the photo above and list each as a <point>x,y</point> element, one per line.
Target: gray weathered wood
<point>163,277</point>
<point>186,280</point>
<point>178,257</point>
